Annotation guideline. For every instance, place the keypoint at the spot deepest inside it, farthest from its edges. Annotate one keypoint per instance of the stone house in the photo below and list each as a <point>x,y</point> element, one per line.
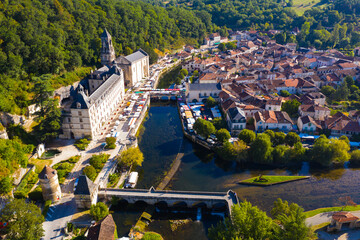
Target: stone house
<point>85,193</point>
<point>236,119</point>
<point>272,120</point>
<point>199,92</point>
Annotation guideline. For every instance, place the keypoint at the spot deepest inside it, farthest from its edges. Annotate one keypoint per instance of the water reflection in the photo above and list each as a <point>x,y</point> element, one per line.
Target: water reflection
<point>201,171</point>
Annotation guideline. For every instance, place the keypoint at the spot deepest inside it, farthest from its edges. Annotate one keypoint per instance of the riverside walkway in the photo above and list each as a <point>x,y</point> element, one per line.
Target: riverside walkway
<point>171,198</point>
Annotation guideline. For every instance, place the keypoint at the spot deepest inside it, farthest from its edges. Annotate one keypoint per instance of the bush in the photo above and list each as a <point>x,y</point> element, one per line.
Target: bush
<point>46,207</point>
<point>98,161</point>
<point>355,157</point>
<point>74,159</point>
<point>82,143</point>
<point>99,211</point>
<point>110,143</point>
<point>90,172</point>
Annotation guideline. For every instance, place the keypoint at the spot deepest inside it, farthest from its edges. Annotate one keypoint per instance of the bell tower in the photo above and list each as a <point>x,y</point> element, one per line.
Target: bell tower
<point>107,48</point>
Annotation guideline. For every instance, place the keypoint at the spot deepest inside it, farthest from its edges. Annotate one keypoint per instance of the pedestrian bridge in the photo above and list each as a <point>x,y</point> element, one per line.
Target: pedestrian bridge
<point>173,198</point>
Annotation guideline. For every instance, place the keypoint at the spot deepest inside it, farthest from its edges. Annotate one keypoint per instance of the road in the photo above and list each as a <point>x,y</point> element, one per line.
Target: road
<point>62,212</point>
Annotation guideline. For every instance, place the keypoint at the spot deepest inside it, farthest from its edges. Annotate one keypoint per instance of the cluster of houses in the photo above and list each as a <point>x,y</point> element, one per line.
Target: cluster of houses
<point>248,80</point>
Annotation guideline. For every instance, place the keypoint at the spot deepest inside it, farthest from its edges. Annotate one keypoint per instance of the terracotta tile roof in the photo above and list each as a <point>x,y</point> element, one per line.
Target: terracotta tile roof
<point>344,217</point>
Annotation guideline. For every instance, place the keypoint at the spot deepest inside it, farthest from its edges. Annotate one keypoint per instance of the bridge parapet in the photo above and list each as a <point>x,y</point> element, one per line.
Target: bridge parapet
<point>190,198</point>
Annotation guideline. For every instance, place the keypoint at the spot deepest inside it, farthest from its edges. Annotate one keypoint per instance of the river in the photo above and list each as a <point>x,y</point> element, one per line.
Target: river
<point>201,171</point>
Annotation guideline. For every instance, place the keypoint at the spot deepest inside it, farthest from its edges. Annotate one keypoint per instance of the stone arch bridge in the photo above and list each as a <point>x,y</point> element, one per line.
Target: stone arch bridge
<point>172,198</point>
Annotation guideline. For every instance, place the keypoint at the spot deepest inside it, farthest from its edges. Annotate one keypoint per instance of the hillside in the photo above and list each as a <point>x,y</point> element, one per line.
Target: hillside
<point>58,36</point>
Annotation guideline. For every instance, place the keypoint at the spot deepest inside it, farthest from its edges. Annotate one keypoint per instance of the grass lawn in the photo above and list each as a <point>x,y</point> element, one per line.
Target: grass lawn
<point>330,209</point>
<point>40,163</point>
<point>300,6</point>
<point>319,226</point>
<point>271,179</point>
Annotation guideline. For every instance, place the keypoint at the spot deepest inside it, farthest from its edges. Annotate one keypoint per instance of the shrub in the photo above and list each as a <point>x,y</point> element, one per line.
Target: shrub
<point>99,211</point>
<point>74,159</point>
<point>90,172</point>
<point>110,143</point>
<point>82,143</point>
<point>46,207</point>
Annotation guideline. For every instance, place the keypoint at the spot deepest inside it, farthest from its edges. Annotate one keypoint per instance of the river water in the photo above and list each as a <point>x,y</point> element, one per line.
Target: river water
<point>201,171</point>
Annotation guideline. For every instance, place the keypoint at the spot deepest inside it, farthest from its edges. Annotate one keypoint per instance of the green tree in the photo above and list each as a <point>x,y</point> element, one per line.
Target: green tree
<point>349,80</point>
<point>261,149</point>
<point>247,136</point>
<point>5,185</point>
<point>196,73</point>
<point>278,154</point>
<point>184,72</point>
<point>240,151</point>
<point>291,107</point>
<point>110,142</point>
<point>90,172</point>
<point>131,157</point>
<point>279,138</point>
<point>355,157</point>
<point>219,123</point>
<point>247,222</point>
<point>292,221</point>
<point>284,93</point>
<point>99,211</point>
<point>326,151</point>
<point>327,90</point>
<point>296,153</point>
<point>210,102</point>
<point>24,220</point>
<point>204,127</point>
<point>342,93</point>
<point>223,135</point>
<point>222,47</point>
<point>292,138</point>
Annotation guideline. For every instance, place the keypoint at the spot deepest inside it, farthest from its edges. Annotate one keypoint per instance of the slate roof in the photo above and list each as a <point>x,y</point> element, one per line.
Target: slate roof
<point>105,34</point>
<point>139,54</point>
<point>236,113</point>
<point>103,230</point>
<point>204,86</point>
<point>85,186</point>
<point>85,100</point>
<point>47,173</point>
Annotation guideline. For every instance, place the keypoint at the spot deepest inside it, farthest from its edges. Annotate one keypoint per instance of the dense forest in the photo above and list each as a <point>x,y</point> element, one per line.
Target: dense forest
<point>52,37</point>
<point>60,37</point>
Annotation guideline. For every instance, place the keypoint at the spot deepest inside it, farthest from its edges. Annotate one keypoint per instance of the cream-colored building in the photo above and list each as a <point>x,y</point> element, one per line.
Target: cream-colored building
<point>89,111</point>
<point>135,66</point>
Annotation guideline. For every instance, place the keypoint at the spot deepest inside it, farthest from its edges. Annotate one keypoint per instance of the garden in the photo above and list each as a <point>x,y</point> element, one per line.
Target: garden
<point>65,167</point>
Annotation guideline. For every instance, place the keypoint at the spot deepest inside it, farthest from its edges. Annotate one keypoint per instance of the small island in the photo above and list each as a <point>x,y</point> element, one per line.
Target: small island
<point>268,180</point>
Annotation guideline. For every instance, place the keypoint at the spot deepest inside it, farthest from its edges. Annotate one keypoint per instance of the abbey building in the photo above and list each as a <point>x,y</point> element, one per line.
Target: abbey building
<point>95,99</point>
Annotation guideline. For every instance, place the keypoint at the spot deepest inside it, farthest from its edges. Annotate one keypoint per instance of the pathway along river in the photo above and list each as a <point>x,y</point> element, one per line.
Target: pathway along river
<point>200,170</point>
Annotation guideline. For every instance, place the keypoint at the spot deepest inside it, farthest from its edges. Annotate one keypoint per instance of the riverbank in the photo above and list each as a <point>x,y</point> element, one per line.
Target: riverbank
<point>314,212</point>
<point>269,180</point>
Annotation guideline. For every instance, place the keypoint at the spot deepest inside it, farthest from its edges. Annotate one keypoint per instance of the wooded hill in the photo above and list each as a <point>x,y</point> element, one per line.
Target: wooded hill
<point>51,37</point>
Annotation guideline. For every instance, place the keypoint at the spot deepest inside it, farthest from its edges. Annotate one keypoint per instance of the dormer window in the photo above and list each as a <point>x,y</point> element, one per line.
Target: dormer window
<point>78,105</point>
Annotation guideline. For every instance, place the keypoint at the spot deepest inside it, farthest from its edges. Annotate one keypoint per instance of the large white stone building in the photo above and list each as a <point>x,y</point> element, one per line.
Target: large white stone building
<point>95,101</point>
<point>89,112</point>
<point>135,66</point>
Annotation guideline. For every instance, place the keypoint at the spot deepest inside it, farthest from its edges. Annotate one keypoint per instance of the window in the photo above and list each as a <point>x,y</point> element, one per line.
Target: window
<point>81,126</point>
<point>80,113</point>
<point>69,120</point>
<point>80,119</point>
